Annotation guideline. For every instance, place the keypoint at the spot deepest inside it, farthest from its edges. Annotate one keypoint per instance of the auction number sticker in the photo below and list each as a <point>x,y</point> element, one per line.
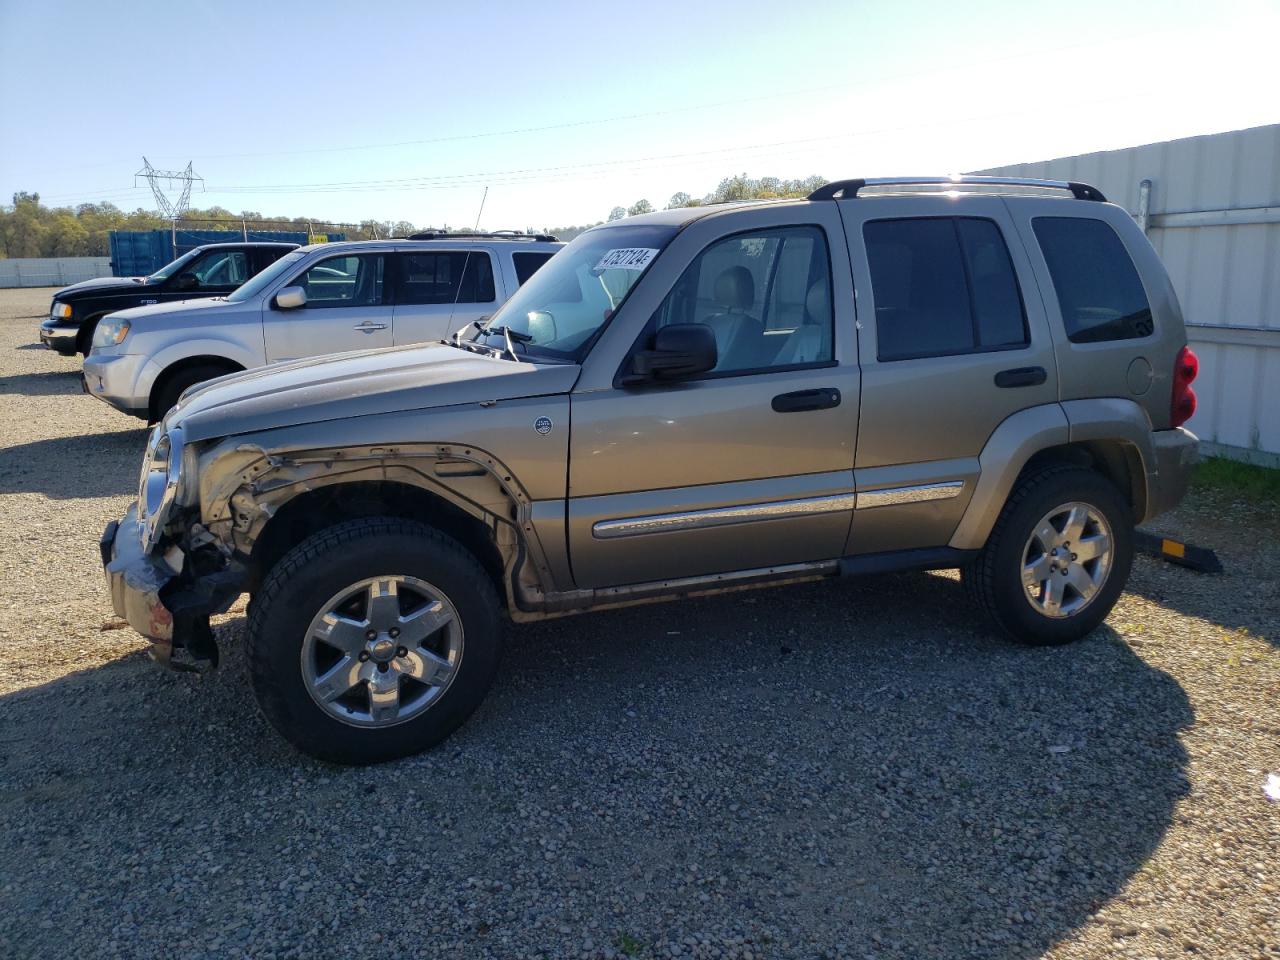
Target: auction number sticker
<point>627,258</point>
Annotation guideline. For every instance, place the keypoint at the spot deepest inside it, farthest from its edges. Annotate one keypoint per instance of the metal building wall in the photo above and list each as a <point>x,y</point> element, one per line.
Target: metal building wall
<point>51,271</point>
<point>1213,215</point>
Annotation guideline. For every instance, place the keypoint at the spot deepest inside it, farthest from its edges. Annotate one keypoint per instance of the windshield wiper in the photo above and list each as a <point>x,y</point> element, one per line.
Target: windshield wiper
<point>508,335</point>
<point>456,339</point>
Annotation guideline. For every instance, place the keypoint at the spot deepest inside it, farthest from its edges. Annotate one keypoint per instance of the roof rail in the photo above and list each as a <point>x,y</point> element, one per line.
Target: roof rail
<point>495,235</point>
<point>848,189</point>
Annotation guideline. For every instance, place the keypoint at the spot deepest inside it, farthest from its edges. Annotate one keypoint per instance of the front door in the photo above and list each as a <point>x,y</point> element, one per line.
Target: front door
<point>749,465</point>
<point>438,291</point>
<point>345,310</point>
<point>953,340</point>
<point>213,273</point>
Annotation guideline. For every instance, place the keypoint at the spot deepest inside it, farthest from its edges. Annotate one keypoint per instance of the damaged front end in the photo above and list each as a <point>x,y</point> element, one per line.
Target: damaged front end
<point>169,607</point>
<point>165,589</point>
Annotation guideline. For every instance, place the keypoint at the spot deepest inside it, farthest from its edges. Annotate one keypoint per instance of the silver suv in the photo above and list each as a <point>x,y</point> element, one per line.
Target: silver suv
<point>326,298</point>
<point>896,374</point>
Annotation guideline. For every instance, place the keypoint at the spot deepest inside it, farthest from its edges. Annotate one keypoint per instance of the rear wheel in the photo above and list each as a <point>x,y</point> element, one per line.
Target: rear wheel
<point>373,640</point>
<point>1057,559</point>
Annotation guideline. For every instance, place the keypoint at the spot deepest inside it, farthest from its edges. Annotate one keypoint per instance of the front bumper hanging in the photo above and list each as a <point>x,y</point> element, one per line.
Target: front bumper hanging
<point>169,608</point>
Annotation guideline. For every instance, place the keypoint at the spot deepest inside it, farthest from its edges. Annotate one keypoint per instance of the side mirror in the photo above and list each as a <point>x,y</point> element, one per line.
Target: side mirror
<point>679,350</point>
<point>291,298</point>
<point>186,281</point>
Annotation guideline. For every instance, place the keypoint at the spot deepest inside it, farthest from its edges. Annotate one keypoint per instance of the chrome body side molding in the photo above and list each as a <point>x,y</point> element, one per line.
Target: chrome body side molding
<point>720,516</point>
<point>915,493</point>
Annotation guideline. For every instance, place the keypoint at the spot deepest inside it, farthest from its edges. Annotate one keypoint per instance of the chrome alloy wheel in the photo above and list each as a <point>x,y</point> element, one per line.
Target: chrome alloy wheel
<point>1066,560</point>
<point>381,651</point>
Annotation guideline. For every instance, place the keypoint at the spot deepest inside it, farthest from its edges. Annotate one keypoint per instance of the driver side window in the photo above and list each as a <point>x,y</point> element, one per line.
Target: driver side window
<point>219,269</point>
<point>766,296</point>
<point>354,281</point>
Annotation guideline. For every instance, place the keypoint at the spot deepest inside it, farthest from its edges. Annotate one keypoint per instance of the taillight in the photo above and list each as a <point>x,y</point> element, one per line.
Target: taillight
<point>1185,369</point>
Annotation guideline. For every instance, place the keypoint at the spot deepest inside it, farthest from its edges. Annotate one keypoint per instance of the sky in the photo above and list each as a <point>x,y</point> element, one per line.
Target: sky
<point>408,110</point>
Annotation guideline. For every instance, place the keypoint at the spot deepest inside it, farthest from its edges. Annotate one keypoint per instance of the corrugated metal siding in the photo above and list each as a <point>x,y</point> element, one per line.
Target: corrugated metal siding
<point>1227,275</point>
<point>136,253</point>
<point>51,271</point>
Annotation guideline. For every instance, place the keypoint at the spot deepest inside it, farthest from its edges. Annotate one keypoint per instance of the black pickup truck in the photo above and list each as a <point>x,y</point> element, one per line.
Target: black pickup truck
<point>209,271</point>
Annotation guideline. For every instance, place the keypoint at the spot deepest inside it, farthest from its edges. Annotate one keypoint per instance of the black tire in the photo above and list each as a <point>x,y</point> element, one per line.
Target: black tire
<point>322,566</point>
<point>173,385</point>
<point>84,337</point>
<point>993,580</point>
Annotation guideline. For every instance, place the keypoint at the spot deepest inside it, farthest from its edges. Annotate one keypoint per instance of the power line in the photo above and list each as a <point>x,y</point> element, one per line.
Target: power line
<point>548,173</point>
<point>1039,54</point>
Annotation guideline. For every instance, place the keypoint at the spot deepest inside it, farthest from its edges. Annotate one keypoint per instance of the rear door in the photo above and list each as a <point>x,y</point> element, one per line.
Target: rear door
<point>346,309</point>
<point>953,339</point>
<point>439,291</point>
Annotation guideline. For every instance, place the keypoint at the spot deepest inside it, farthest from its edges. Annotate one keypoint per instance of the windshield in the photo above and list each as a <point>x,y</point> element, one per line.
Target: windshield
<point>167,271</point>
<point>562,306</point>
<point>255,285</point>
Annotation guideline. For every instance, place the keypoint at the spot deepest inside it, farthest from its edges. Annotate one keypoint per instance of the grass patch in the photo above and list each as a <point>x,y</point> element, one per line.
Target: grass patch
<point>1219,475</point>
<point>630,946</point>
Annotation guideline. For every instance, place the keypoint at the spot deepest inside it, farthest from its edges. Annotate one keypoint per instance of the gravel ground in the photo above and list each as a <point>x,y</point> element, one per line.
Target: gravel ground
<point>853,769</point>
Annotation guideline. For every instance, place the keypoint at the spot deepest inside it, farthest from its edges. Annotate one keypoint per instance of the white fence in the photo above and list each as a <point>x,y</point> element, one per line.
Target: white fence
<point>52,271</point>
<point>1211,207</point>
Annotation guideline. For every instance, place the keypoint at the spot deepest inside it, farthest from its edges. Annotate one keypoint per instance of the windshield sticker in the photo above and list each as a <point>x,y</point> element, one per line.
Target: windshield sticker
<point>626,258</point>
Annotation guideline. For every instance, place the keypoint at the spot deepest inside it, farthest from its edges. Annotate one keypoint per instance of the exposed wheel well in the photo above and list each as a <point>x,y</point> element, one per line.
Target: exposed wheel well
<point>315,510</point>
<point>1118,461</point>
<point>177,368</point>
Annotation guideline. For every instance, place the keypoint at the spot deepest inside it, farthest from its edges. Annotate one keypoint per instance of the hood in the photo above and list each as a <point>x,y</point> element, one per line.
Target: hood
<point>367,383</point>
<point>172,306</point>
<point>101,285</point>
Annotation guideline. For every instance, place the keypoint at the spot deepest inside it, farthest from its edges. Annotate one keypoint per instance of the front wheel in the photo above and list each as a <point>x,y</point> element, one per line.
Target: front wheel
<point>373,640</point>
<point>177,383</point>
<point>1057,559</point>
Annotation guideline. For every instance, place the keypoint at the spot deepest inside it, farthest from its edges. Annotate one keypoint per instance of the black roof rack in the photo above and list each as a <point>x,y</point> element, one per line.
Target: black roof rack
<point>495,235</point>
<point>848,189</point>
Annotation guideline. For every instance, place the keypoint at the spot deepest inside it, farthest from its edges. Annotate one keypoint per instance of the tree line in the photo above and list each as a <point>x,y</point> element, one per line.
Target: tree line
<point>28,228</point>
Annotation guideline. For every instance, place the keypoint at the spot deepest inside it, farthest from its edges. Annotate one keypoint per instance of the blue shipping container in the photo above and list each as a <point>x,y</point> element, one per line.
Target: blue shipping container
<point>136,253</point>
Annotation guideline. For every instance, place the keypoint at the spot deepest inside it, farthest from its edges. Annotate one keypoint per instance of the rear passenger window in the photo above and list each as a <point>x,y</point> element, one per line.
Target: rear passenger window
<point>942,286</point>
<point>527,264</point>
<point>1099,292</point>
<point>445,276</point>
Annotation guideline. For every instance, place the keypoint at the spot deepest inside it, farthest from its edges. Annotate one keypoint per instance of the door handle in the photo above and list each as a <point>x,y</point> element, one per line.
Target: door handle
<point>824,398</point>
<point>1021,377</point>
<point>369,326</point>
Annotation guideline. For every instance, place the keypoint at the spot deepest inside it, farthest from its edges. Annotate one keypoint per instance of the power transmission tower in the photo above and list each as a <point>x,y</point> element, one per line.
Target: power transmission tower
<point>169,209</point>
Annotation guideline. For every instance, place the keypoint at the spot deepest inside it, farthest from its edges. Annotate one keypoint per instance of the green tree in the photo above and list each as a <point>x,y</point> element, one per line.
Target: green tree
<point>680,199</point>
<point>639,207</point>
<point>617,213</point>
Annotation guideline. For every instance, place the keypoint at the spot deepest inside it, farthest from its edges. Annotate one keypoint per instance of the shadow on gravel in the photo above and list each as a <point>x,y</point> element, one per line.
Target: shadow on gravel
<point>31,346</point>
<point>67,468</point>
<point>1190,595</point>
<point>1245,597</point>
<point>856,767</point>
<point>51,383</point>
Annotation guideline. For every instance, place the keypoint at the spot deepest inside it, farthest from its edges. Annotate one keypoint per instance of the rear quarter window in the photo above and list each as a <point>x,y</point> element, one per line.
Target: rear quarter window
<point>1098,288</point>
<point>527,264</point>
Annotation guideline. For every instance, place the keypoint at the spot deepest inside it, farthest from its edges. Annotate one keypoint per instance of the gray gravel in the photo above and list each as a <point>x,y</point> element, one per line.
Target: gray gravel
<point>854,769</point>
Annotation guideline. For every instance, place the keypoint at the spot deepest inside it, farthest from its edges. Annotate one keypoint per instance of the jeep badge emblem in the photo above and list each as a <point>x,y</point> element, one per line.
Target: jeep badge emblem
<point>542,425</point>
